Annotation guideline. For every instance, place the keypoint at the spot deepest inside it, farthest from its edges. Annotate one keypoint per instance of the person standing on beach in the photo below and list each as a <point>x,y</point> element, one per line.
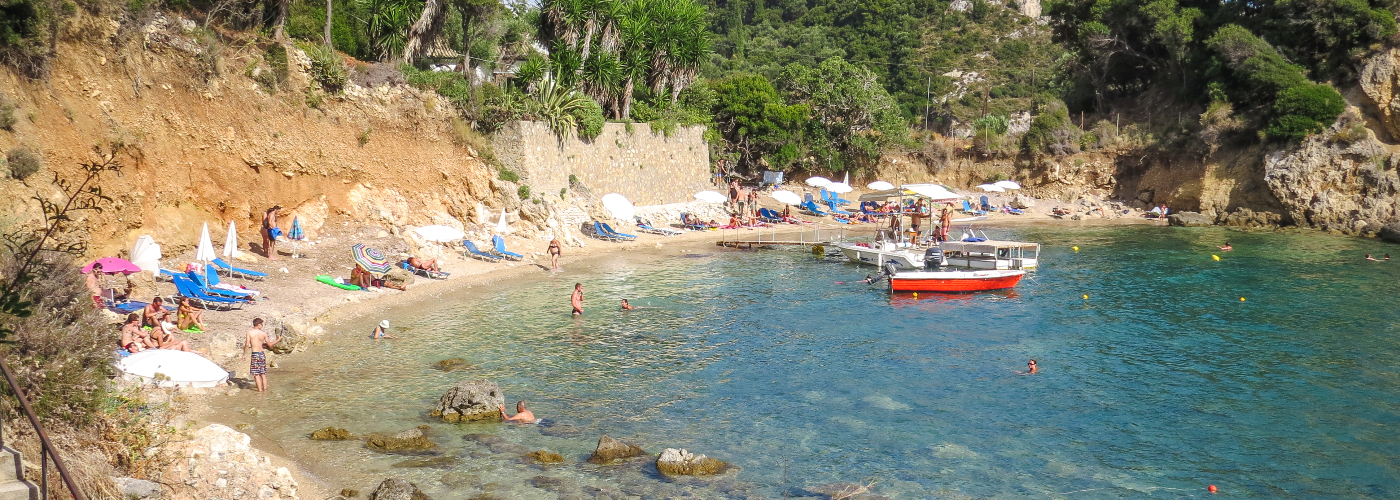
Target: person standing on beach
<point>555,249</point>
<point>522,415</point>
<point>577,299</point>
<point>94,285</point>
<point>270,232</point>
<point>253,348</point>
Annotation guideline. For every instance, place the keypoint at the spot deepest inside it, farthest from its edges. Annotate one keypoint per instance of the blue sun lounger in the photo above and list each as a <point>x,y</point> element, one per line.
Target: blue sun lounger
<point>190,290</point>
<point>500,246</point>
<point>769,216</point>
<point>472,251</point>
<point>208,287</point>
<point>439,275</point>
<point>831,205</point>
<point>645,226</point>
<point>616,234</point>
<point>225,267</point>
<point>967,208</point>
<point>810,207</point>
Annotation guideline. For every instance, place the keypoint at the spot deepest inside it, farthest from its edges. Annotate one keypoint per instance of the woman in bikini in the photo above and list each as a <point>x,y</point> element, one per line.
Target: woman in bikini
<point>189,315</point>
<point>164,340</point>
<point>554,251</point>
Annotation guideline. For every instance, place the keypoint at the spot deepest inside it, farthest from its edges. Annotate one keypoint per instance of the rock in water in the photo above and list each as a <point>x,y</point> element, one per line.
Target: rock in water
<point>397,489</point>
<point>1390,232</point>
<point>410,442</point>
<point>675,462</point>
<point>545,457</point>
<point>470,401</point>
<point>448,365</point>
<point>1189,219</point>
<point>610,449</point>
<point>331,434</point>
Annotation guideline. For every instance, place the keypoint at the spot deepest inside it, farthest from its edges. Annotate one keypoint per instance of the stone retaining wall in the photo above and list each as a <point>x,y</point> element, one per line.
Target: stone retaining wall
<point>648,168</point>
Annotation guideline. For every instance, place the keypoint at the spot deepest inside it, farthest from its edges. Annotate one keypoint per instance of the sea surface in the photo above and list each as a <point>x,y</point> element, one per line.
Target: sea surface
<point>1271,373</point>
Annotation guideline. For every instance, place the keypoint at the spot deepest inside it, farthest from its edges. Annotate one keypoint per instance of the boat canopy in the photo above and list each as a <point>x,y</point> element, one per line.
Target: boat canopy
<point>932,191</point>
<point>985,247</point>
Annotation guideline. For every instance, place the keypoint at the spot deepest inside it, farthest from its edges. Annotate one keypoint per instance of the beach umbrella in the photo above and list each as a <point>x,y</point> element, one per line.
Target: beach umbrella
<point>991,188</point>
<point>1008,184</point>
<point>787,197</point>
<point>839,187</point>
<point>933,191</point>
<point>205,251</point>
<point>818,181</point>
<point>296,235</point>
<point>880,185</point>
<point>618,206</point>
<point>179,367</point>
<point>710,197</point>
<point>370,259</point>
<point>439,233</point>
<point>113,265</point>
<point>145,254</point>
<point>501,226</point>
<point>230,241</point>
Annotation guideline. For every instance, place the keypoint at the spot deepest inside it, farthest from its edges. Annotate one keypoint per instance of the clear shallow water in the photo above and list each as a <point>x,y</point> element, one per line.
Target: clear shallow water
<point>1160,383</point>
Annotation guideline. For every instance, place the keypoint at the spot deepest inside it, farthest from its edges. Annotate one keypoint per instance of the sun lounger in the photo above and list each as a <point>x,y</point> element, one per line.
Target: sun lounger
<point>831,205</point>
<point>205,287</point>
<point>610,230</point>
<point>231,271</point>
<point>472,251</point>
<point>595,230</point>
<point>437,275</point>
<point>967,209</point>
<point>810,207</point>
<point>499,244</point>
<point>645,226</point>
<point>190,290</point>
<point>769,216</point>
<point>693,223</point>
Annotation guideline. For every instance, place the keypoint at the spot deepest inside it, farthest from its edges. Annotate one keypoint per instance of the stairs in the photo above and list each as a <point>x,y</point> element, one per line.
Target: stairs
<point>11,486</point>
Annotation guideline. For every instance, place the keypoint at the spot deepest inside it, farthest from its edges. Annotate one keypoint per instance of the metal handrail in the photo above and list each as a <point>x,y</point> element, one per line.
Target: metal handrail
<point>47,449</point>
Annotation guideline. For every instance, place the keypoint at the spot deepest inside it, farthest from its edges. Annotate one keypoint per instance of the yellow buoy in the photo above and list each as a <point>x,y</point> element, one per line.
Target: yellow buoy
<point>1076,248</point>
<point>916,295</point>
<point>1241,299</point>
<point>1216,257</point>
<point>1086,296</point>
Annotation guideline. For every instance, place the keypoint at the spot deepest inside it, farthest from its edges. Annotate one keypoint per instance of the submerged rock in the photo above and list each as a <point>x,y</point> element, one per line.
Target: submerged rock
<point>397,489</point>
<point>497,444</point>
<point>443,462</point>
<point>410,441</point>
<point>471,401</point>
<point>459,479</point>
<point>1189,219</point>
<point>610,449</point>
<point>545,457</point>
<point>550,428</point>
<point>453,364</point>
<point>674,462</point>
<point>332,434</point>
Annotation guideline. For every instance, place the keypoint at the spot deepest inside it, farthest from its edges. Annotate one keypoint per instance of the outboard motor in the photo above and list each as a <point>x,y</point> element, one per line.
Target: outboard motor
<point>891,268</point>
<point>933,258</point>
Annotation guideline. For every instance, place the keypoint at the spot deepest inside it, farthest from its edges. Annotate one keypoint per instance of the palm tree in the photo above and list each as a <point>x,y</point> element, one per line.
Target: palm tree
<point>634,61</point>
<point>601,76</point>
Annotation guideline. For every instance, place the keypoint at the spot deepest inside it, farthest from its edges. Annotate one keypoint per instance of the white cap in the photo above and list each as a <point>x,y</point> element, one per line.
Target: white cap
<point>384,324</point>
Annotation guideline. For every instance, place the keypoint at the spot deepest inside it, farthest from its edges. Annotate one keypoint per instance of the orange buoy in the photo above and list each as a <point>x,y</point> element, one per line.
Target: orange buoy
<point>1212,489</point>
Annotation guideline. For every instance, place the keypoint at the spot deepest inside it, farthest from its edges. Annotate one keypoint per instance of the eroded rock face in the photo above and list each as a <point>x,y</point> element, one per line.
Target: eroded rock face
<point>217,462</point>
<point>397,489</point>
<point>1379,80</point>
<point>408,442</point>
<point>1390,232</point>
<point>1189,219</point>
<point>610,449</point>
<point>676,462</point>
<point>1334,185</point>
<point>470,401</point>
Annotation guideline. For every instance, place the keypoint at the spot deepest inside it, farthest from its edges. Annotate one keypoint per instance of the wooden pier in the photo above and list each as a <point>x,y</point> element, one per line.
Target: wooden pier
<point>761,243</point>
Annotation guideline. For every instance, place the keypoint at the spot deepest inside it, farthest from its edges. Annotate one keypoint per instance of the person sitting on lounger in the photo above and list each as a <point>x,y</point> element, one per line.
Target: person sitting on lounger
<point>189,316</point>
<point>424,264</point>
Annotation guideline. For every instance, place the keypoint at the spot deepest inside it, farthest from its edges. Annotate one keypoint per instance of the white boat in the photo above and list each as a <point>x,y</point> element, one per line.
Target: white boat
<point>907,255</point>
<point>990,254</point>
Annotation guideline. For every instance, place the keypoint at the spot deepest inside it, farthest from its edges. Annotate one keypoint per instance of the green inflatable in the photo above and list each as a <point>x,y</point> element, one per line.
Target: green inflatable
<point>331,281</point>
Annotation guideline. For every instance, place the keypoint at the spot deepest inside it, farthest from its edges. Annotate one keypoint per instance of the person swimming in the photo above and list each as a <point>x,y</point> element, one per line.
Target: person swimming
<point>1227,247</point>
<point>1369,257</point>
<point>522,415</point>
<point>1031,368</point>
<point>626,306</point>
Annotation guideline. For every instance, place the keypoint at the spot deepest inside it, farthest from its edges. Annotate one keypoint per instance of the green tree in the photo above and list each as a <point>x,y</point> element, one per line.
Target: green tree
<point>853,117</point>
<point>754,121</point>
<point>1303,110</point>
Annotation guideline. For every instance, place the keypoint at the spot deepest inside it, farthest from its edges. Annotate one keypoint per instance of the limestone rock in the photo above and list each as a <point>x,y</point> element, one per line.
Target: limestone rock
<point>545,457</point>
<point>470,401</point>
<point>331,434</point>
<point>1022,201</point>
<point>1334,186</point>
<point>410,442</point>
<point>1189,219</point>
<point>1379,79</point>
<point>1249,218</point>
<point>674,462</point>
<point>1390,232</point>
<point>610,449</point>
<point>397,489</point>
<point>448,365</point>
<point>137,489</point>
<point>216,453</point>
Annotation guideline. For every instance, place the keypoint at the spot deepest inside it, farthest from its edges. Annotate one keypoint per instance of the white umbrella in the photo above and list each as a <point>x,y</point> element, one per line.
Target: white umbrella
<point>839,187</point>
<point>991,187</point>
<point>145,253</point>
<point>710,197</point>
<point>205,252</point>
<point>933,191</point>
<point>231,241</point>
<point>439,233</point>
<point>179,368</point>
<point>880,185</point>
<point>818,181</point>
<point>787,197</point>
<point>501,226</point>
<point>619,207</point>
<point>1008,184</point>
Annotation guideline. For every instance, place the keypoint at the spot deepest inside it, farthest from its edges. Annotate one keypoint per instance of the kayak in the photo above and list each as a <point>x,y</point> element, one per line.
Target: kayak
<point>331,281</point>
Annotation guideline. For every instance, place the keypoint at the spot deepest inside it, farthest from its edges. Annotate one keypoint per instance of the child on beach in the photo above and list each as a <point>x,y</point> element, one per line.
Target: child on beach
<point>253,347</point>
<point>381,331</point>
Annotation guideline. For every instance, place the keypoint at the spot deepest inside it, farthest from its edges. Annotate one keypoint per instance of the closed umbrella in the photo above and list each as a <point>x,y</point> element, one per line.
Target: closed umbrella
<point>991,188</point>
<point>179,368</point>
<point>501,226</point>
<point>1008,184</point>
<point>619,207</point>
<point>145,254</point>
<point>231,241</point>
<point>787,197</point>
<point>113,265</point>
<point>880,185</point>
<point>439,233</point>
<point>710,197</point>
<point>818,181</point>
<point>205,252</point>
<point>370,259</point>
<point>296,235</point>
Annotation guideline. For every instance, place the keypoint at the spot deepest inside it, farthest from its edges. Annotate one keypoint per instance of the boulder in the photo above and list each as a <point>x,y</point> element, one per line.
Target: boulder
<point>397,489</point>
<point>1249,218</point>
<point>1022,201</point>
<point>332,434</point>
<point>1189,219</point>
<point>470,401</point>
<point>610,449</point>
<point>674,462</point>
<point>545,457</point>
<point>1390,232</point>
<point>137,489</point>
<point>411,441</point>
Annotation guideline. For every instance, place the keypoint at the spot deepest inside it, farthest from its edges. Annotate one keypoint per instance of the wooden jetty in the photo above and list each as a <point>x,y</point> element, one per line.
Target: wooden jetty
<point>762,243</point>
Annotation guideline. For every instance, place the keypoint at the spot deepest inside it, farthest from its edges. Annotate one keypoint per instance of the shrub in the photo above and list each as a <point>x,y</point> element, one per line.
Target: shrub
<point>563,191</point>
<point>1303,110</point>
<point>276,57</point>
<point>1217,122</point>
<point>23,163</point>
<point>327,67</point>
<point>7,114</point>
<point>1052,132</point>
<point>508,175</point>
<point>363,138</point>
<point>523,191</point>
<point>991,124</point>
<point>590,119</point>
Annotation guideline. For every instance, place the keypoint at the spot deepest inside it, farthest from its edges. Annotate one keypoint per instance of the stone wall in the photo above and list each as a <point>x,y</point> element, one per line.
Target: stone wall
<point>648,168</point>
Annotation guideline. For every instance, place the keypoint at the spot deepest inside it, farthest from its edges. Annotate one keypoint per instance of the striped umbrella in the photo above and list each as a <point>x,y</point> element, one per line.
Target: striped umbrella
<point>370,259</point>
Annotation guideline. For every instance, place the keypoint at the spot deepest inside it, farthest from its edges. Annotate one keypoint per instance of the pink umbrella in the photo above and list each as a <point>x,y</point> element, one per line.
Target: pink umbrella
<point>113,265</point>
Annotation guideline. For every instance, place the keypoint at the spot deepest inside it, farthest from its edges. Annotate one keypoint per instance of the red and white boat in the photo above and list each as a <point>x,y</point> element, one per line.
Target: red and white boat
<point>955,281</point>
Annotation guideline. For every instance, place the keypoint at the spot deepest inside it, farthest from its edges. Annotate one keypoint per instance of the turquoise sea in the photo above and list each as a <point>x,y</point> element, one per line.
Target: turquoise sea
<point>1161,382</point>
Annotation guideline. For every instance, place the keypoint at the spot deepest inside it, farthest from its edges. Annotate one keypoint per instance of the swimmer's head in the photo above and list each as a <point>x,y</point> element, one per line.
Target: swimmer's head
<point>520,405</point>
